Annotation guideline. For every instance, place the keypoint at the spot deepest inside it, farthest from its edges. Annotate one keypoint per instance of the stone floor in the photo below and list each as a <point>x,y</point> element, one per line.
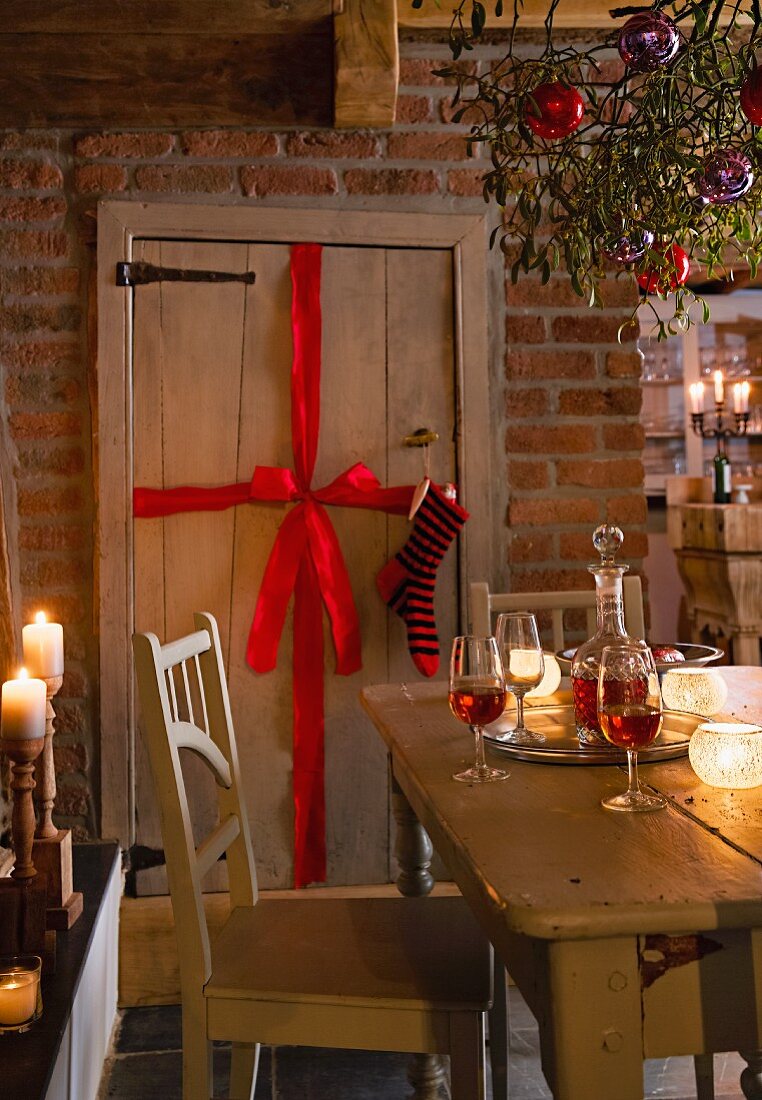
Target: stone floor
<point>146,1063</point>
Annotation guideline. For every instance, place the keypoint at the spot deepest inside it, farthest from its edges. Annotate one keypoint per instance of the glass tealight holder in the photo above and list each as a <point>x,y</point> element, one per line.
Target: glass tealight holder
<point>727,754</point>
<point>20,995</point>
<point>695,690</point>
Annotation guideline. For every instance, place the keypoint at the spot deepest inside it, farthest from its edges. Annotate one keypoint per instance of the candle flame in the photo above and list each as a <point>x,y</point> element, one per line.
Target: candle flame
<point>40,617</point>
<point>23,674</point>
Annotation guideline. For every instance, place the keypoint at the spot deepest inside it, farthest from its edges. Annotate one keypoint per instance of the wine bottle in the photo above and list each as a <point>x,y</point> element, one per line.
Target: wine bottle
<point>721,479</point>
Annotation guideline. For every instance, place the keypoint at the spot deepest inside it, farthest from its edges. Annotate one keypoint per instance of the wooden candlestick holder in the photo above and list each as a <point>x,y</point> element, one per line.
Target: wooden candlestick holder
<point>22,754</point>
<point>52,846</point>
<point>23,899</point>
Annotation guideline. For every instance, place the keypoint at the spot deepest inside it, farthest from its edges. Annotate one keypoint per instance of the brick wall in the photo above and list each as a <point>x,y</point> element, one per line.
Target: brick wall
<point>566,394</point>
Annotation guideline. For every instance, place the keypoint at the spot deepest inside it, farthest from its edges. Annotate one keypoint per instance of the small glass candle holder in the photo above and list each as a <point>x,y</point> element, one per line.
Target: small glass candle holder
<point>696,690</point>
<point>20,995</point>
<point>727,754</point>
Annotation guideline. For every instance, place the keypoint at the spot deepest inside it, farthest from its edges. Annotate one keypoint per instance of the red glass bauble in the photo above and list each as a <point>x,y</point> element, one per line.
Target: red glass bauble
<point>670,274</point>
<point>751,97</point>
<point>554,110</point>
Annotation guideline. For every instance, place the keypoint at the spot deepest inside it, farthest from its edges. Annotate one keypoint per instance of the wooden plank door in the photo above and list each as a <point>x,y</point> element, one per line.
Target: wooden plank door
<point>211,400</point>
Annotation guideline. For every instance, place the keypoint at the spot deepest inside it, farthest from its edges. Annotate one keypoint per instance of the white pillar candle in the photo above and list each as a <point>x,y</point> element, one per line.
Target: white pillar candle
<point>43,647</point>
<point>22,709</point>
<point>697,397</point>
<point>745,391</point>
<point>719,388</point>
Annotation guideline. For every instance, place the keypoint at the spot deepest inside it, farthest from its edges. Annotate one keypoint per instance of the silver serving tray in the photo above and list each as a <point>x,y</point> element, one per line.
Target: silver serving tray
<point>695,656</point>
<point>562,746</point>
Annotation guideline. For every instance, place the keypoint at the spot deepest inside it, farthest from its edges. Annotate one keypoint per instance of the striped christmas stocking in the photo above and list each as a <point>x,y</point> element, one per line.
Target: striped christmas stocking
<point>406,583</point>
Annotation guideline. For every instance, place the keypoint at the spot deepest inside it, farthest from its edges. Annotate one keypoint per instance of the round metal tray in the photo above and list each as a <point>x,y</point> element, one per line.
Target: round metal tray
<point>562,746</point>
<point>695,656</point>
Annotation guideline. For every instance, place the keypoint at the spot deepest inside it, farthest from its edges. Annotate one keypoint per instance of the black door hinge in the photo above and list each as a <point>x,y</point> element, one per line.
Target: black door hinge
<point>138,273</point>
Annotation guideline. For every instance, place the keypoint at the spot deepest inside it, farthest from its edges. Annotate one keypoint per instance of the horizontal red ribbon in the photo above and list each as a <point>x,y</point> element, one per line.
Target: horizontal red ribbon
<point>305,560</point>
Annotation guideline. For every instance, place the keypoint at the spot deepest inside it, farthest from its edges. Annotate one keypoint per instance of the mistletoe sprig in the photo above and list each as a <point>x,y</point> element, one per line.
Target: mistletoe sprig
<point>646,172</point>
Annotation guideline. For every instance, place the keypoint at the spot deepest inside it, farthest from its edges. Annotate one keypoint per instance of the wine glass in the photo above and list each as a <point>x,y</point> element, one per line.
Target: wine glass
<point>519,643</point>
<point>630,715</point>
<point>477,696</point>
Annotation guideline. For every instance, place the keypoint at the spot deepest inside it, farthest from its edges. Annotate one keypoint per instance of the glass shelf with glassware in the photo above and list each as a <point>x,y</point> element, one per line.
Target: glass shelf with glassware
<point>731,343</point>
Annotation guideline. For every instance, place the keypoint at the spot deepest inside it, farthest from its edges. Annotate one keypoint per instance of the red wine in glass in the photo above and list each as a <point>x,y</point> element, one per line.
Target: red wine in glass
<point>630,725</point>
<point>477,696</point>
<point>477,704</point>
<point>630,715</point>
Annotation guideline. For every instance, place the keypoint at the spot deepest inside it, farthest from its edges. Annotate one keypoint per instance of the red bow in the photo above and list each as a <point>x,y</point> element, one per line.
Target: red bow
<point>305,559</point>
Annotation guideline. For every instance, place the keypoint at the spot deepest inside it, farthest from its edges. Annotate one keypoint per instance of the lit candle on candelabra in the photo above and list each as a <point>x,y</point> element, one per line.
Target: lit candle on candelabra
<point>741,397</point>
<point>23,708</point>
<point>43,647</point>
<point>719,388</point>
<point>697,397</point>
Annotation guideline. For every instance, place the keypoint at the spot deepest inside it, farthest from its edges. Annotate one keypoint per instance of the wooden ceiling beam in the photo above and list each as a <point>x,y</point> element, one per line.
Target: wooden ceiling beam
<point>366,64</point>
<point>150,17</point>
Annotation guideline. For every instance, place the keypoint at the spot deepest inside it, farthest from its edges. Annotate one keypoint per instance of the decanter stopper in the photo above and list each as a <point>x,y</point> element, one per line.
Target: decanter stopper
<point>607,540</point>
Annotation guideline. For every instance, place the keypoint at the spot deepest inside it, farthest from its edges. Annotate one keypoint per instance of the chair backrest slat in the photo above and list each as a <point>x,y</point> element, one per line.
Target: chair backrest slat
<point>170,674</point>
<point>202,697</point>
<point>166,734</point>
<point>485,604</point>
<point>186,685</point>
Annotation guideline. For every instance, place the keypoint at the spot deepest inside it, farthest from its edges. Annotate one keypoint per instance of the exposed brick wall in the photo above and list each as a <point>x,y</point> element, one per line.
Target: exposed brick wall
<point>566,396</point>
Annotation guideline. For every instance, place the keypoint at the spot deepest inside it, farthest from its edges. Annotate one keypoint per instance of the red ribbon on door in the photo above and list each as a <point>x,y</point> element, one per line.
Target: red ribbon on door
<point>305,560</point>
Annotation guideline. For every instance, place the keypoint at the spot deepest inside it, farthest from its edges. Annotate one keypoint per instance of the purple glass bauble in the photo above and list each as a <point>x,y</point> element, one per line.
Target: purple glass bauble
<point>727,175</point>
<point>630,247</point>
<point>648,41</point>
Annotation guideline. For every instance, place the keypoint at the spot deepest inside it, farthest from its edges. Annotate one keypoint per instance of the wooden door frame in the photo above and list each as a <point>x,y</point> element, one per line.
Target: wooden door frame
<point>120,224</point>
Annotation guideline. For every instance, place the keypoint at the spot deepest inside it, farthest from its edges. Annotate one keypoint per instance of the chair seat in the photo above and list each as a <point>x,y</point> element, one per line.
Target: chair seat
<point>408,953</point>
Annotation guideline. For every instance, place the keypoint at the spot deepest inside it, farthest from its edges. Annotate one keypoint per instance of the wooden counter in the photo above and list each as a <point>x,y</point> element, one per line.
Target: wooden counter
<point>61,1058</point>
<point>718,548</point>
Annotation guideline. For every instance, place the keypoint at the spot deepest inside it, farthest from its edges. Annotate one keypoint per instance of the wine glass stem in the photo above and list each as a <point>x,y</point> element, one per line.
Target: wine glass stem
<point>480,763</point>
<point>632,772</point>
<point>520,711</point>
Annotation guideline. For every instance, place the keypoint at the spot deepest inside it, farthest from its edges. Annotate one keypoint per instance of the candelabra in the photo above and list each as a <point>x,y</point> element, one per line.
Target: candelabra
<point>723,429</point>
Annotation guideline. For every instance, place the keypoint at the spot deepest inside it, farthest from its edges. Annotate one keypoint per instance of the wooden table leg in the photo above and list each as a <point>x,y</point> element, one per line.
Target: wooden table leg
<point>413,849</point>
<point>751,1078</point>
<point>590,1023</point>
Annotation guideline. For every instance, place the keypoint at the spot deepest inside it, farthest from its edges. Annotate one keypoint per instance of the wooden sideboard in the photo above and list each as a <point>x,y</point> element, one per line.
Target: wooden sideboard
<point>718,548</point>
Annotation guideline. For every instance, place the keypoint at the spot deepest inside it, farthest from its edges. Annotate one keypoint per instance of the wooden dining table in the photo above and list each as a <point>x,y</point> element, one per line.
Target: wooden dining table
<point>630,936</point>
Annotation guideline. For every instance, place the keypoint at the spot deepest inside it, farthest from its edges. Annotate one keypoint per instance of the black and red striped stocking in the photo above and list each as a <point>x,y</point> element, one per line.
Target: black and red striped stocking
<point>407,582</point>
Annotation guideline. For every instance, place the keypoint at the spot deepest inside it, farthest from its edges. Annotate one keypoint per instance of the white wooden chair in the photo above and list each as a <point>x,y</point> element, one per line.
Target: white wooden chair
<point>403,974</point>
<point>484,604</point>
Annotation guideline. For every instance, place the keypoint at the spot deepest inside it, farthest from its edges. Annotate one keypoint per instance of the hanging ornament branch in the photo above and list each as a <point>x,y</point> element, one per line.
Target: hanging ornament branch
<point>642,174</point>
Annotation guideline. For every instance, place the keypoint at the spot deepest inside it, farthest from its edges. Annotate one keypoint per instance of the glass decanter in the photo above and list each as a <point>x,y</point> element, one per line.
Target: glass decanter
<point>586,664</point>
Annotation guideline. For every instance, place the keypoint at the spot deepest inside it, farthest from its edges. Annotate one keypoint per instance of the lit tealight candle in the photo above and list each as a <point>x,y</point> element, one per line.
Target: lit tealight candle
<point>696,690</point>
<point>550,680</point>
<point>719,388</point>
<point>727,754</point>
<point>43,647</point>
<point>19,986</point>
<point>525,665</point>
<point>22,708</point>
<point>697,397</point>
